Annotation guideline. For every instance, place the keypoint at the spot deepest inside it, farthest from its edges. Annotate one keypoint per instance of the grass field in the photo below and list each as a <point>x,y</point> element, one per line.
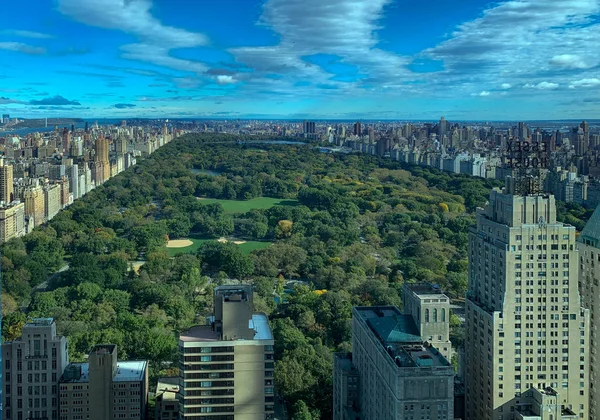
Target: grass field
<point>243,206</point>
<point>246,247</point>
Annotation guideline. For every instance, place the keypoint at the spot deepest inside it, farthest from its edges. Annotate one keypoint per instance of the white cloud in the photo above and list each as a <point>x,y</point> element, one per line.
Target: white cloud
<point>225,80</point>
<point>482,93</point>
<point>506,86</point>
<point>569,61</point>
<point>592,82</point>
<point>344,28</point>
<point>541,85</point>
<point>134,17</point>
<point>20,47</point>
<point>520,40</point>
<point>27,34</point>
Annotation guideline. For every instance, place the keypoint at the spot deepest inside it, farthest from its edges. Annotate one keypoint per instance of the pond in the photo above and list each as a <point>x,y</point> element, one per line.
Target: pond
<point>209,172</point>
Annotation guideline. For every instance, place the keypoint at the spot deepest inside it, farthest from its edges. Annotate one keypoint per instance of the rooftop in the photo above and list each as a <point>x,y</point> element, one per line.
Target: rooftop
<point>204,333</point>
<point>168,387</point>
<point>591,231</point>
<point>400,337</point>
<point>40,322</point>
<point>425,289</point>
<point>130,371</point>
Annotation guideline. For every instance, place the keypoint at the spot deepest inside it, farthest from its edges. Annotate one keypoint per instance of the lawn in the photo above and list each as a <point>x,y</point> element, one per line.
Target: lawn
<point>246,247</point>
<point>243,206</point>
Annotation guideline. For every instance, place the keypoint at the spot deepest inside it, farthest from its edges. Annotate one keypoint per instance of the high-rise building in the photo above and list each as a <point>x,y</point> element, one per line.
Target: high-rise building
<point>5,118</point>
<point>527,335</point>
<point>33,196</point>
<point>392,373</point>
<point>12,221</point>
<point>7,192</point>
<point>51,201</point>
<point>357,129</point>
<point>66,141</point>
<point>104,388</point>
<point>309,127</point>
<point>33,365</point>
<point>589,282</point>
<point>430,309</point>
<point>226,367</point>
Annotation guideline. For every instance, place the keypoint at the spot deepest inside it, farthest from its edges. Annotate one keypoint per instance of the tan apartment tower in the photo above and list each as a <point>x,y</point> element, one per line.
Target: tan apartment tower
<point>430,309</point>
<point>226,366</point>
<point>101,158</point>
<point>104,388</point>
<point>33,365</point>
<point>589,287</point>
<point>7,192</point>
<point>391,373</point>
<point>527,335</point>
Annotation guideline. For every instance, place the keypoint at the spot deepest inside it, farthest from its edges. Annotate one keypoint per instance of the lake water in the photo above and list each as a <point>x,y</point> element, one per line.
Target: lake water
<point>273,142</point>
<point>209,172</point>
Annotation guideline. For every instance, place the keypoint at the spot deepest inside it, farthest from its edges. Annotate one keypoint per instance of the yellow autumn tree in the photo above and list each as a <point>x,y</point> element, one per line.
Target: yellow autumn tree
<point>284,229</point>
<point>444,208</point>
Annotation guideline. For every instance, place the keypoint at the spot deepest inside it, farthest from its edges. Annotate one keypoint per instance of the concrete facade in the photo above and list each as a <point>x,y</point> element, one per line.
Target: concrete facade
<point>589,288</point>
<point>33,365</point>
<point>167,399</point>
<point>227,366</point>
<point>400,376</point>
<point>430,309</point>
<point>104,388</point>
<point>525,327</point>
<point>12,221</point>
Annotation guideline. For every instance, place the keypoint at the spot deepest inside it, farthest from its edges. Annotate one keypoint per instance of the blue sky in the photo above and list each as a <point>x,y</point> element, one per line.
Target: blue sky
<point>398,59</point>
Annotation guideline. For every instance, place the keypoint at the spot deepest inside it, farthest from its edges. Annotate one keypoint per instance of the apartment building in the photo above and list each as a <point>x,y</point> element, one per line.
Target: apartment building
<point>527,335</point>
<point>104,388</point>
<point>33,365</point>
<point>392,373</point>
<point>589,289</point>
<point>12,221</point>
<point>226,366</point>
<point>430,309</point>
<point>167,399</point>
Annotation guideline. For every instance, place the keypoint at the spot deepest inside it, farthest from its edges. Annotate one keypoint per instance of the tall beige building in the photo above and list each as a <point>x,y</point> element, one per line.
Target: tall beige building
<point>527,335</point>
<point>391,374</point>
<point>430,309</point>
<point>51,200</point>
<point>589,287</point>
<point>32,367</point>
<point>35,205</point>
<point>226,367</point>
<point>12,221</point>
<point>7,192</point>
<point>104,388</point>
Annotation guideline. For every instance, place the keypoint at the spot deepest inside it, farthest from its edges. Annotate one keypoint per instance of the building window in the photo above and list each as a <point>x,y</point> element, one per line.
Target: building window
<point>426,315</point>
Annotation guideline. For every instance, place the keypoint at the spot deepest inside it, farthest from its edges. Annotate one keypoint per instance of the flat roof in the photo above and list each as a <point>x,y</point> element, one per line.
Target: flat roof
<point>129,371</point>
<point>204,333</point>
<point>399,336</point>
<point>425,289</point>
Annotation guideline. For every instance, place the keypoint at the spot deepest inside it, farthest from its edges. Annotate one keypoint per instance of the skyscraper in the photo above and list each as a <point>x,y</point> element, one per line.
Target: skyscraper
<point>392,373</point>
<point>114,389</point>
<point>357,129</point>
<point>102,158</point>
<point>66,141</point>
<point>34,363</point>
<point>527,335</point>
<point>228,362</point>
<point>589,280</point>
<point>7,192</point>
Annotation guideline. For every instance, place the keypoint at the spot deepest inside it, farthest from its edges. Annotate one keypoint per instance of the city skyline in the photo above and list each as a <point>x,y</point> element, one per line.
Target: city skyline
<point>301,59</point>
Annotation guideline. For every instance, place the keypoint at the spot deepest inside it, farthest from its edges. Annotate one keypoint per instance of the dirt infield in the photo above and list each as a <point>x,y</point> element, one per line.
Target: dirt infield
<point>179,243</point>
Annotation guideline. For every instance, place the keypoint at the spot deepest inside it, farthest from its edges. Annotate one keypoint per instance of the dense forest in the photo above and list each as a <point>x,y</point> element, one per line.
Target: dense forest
<point>355,228</point>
